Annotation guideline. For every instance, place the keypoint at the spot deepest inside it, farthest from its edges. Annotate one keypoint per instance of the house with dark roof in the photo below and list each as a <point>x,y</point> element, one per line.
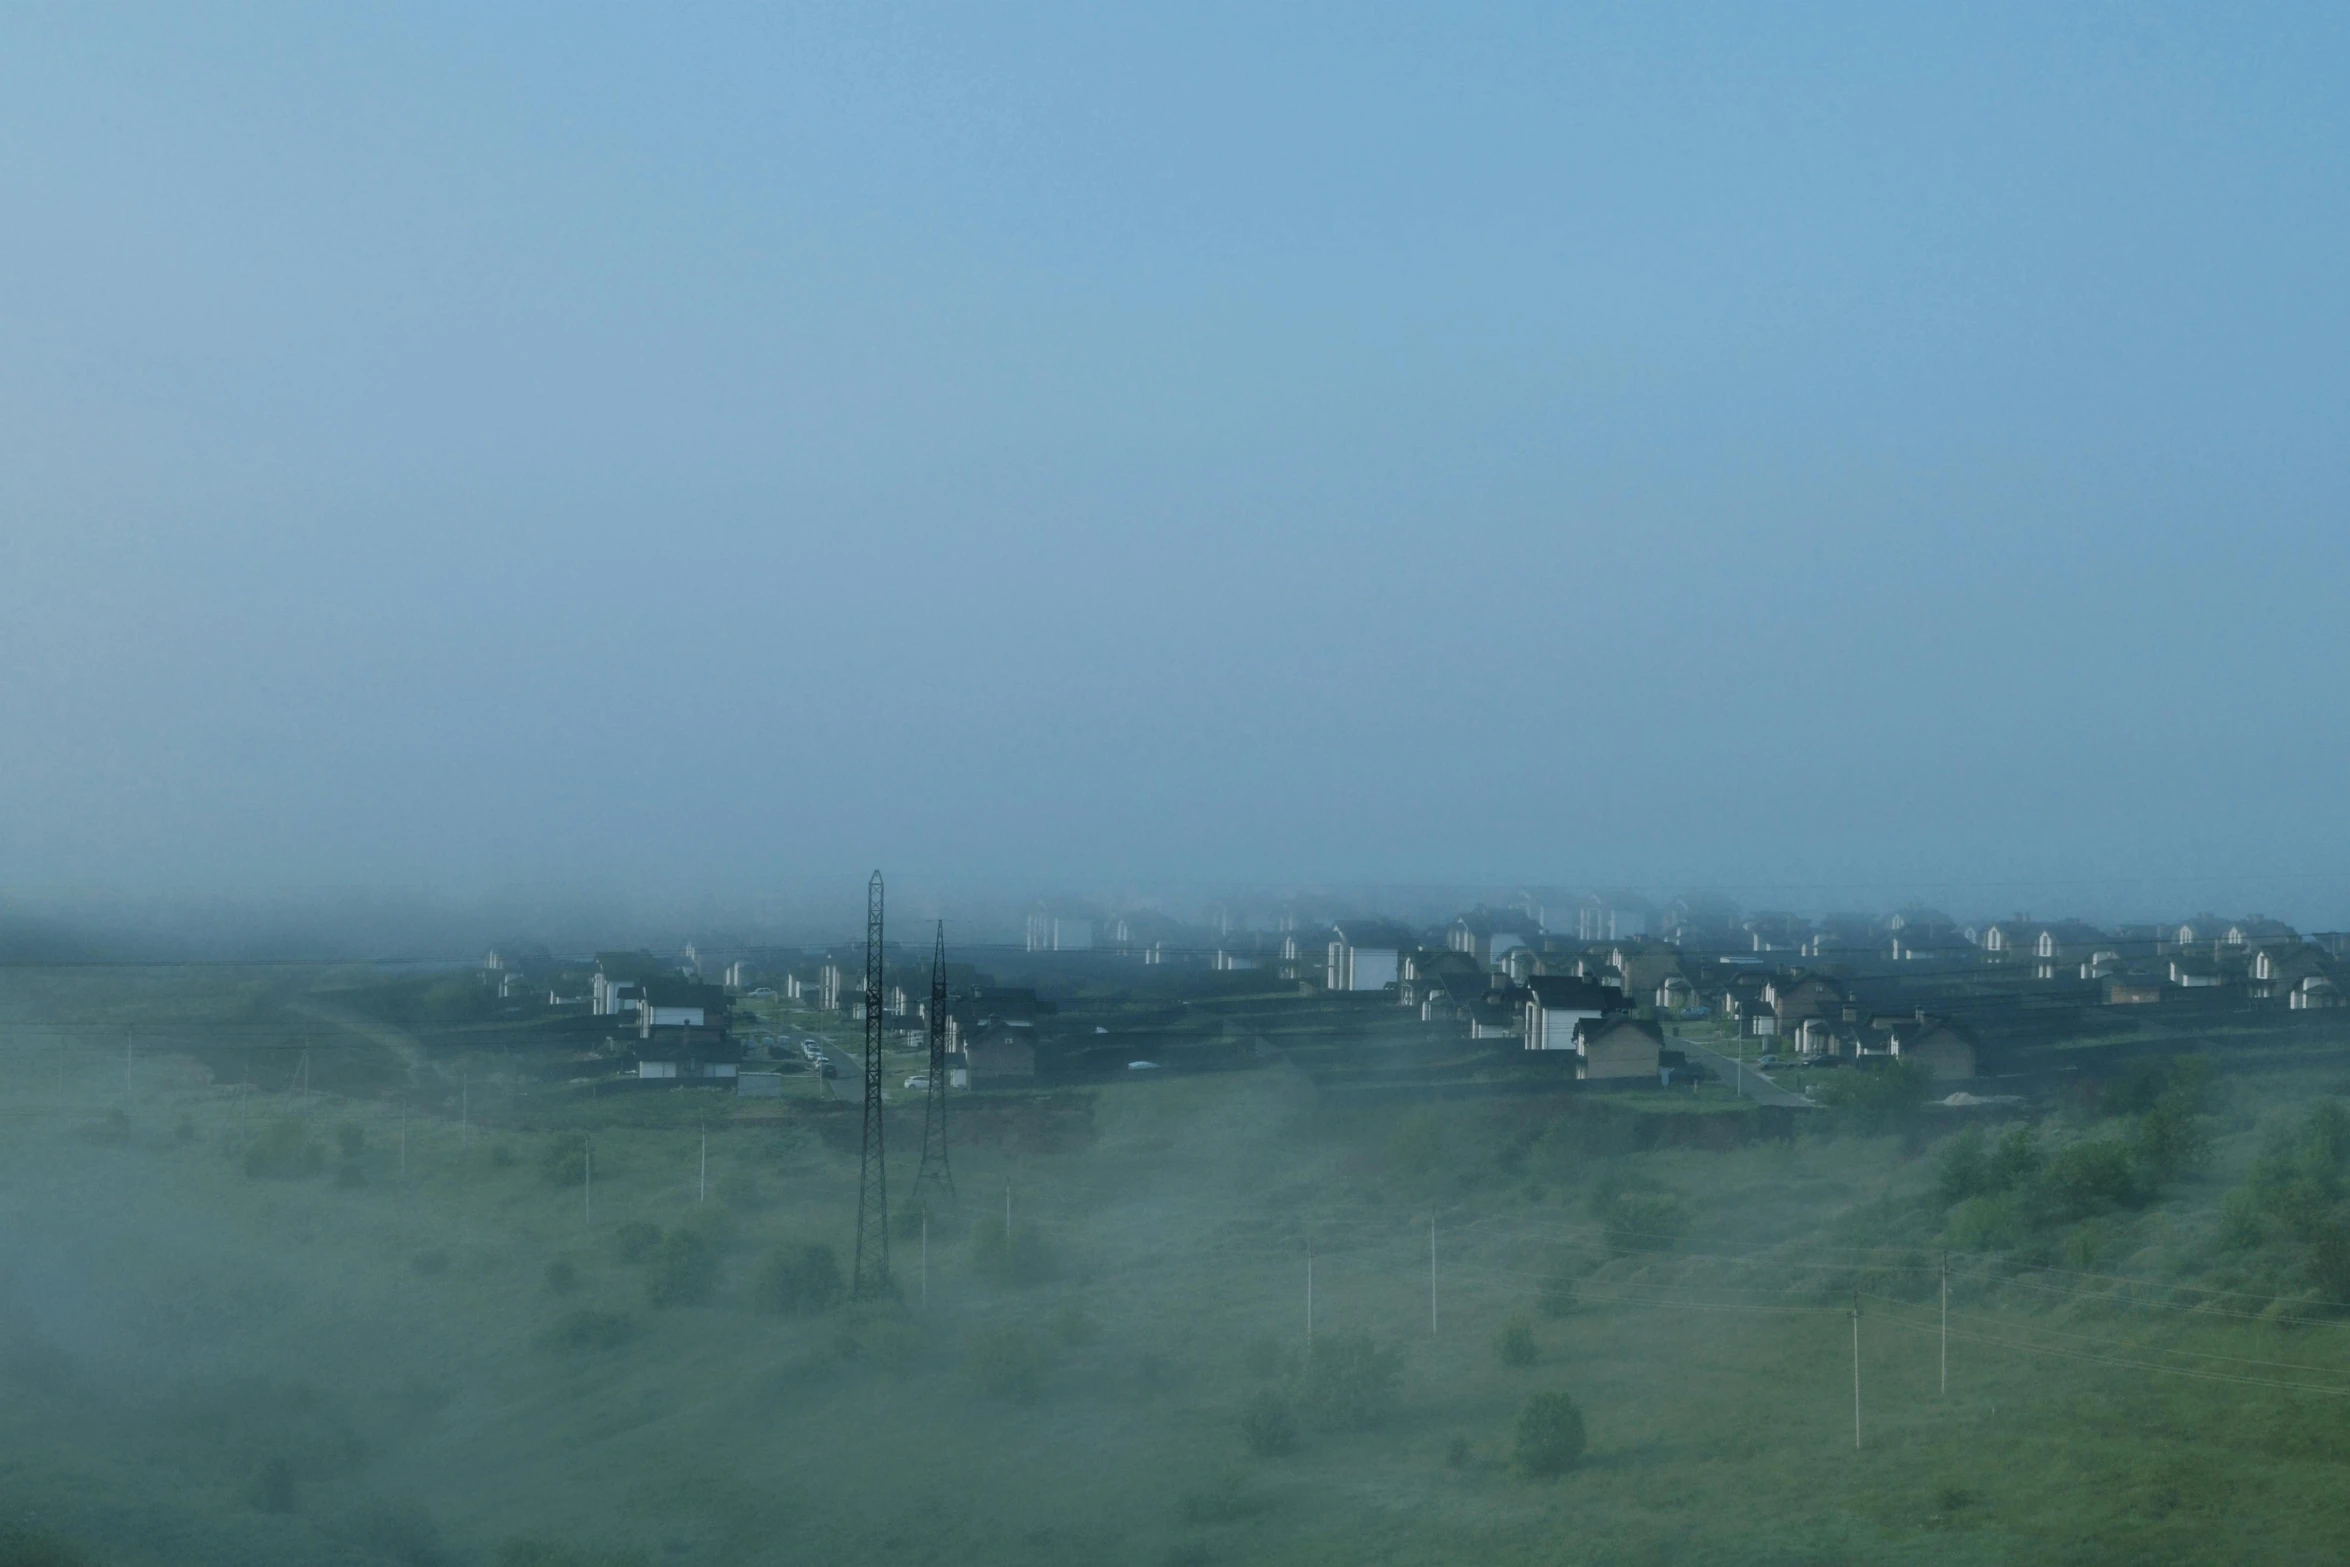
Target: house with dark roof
<point>1367,954</point>
<point>1945,1049</point>
<point>1555,1003</point>
<point>1617,1047</point>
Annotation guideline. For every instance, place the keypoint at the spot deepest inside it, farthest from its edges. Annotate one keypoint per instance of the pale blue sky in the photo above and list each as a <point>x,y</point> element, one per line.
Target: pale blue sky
<point>1771,445</point>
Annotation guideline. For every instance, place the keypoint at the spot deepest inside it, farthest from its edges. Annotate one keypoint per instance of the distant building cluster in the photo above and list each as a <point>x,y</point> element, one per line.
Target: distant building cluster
<point>1610,987</point>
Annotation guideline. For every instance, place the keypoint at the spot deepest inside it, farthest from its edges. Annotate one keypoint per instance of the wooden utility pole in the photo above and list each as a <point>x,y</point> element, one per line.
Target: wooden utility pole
<point>1432,1330</point>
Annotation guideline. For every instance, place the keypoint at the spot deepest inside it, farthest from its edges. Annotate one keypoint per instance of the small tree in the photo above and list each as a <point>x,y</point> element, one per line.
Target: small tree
<point>1006,1362</point>
<point>800,1281</point>
<point>1514,1345</point>
<point>1267,1425</point>
<point>1351,1380</point>
<point>685,1270</point>
<point>1549,1437</point>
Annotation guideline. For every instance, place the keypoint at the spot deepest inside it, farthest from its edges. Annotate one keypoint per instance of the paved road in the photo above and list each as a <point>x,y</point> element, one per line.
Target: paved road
<point>1752,1084</point>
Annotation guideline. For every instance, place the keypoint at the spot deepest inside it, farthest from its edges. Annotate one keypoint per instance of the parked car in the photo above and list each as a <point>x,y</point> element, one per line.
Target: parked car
<point>1768,1063</point>
<point>827,1068</point>
<point>1142,1066</point>
<point>918,1082</point>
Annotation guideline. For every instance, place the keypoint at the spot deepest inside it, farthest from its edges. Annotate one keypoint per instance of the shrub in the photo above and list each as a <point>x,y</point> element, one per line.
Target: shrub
<point>270,1487</point>
<point>185,1131</point>
<point>562,1276</point>
<point>400,1532</point>
<point>1878,1099</point>
<point>588,1328</point>
<point>1004,1361</point>
<point>1557,1295</point>
<point>351,1139</point>
<point>800,1281</point>
<point>30,1548</point>
<point>685,1270</point>
<point>548,1553</point>
<point>501,1156</point>
<point>1225,1499</point>
<point>564,1160</point>
<point>1549,1437</point>
<point>1458,1453</point>
<point>636,1241</point>
<point>1018,1257</point>
<point>1351,1380</point>
<point>1514,1345</point>
<point>1636,1221</point>
<point>349,1175</point>
<point>1072,1326</point>
<point>2090,1177</point>
<point>430,1264</point>
<point>741,1192</point>
<point>1267,1426</point>
<point>283,1151</point>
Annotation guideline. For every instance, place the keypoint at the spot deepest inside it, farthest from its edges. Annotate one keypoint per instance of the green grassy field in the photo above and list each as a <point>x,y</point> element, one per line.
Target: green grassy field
<point>464,1363</point>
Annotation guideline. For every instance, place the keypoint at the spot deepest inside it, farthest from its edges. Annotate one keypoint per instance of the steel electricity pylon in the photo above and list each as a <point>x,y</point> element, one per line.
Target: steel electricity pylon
<point>936,1175</point>
<point>870,1277</point>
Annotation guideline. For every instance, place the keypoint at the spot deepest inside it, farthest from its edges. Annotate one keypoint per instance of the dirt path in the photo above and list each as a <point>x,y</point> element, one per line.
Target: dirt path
<point>397,1040</point>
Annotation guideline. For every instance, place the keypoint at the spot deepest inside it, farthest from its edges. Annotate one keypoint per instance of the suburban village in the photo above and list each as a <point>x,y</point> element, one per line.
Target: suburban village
<point>1527,996</point>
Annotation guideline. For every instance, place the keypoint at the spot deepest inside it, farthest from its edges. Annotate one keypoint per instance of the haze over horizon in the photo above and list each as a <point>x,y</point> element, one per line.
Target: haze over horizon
<point>691,453</point>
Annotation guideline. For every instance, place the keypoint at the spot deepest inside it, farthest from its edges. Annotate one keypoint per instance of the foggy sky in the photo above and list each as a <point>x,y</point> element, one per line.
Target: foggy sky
<point>1795,448</point>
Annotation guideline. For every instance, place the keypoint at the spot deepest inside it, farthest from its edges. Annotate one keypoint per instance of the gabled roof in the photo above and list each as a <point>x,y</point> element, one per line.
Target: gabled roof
<point>1565,993</point>
<point>1374,933</point>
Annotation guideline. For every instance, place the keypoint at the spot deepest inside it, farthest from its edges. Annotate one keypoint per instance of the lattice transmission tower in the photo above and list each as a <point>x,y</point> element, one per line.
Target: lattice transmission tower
<point>936,1174</point>
<point>870,1278</point>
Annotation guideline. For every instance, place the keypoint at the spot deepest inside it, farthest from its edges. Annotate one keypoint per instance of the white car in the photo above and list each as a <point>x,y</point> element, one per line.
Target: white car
<point>917,1082</point>
<point>1142,1066</point>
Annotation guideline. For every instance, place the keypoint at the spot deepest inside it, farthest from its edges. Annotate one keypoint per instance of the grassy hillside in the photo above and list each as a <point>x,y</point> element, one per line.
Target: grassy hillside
<point>236,1330</point>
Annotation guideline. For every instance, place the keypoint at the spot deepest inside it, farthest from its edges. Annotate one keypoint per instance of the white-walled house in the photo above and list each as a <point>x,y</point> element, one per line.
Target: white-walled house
<point>1556,1003</point>
<point>1366,955</point>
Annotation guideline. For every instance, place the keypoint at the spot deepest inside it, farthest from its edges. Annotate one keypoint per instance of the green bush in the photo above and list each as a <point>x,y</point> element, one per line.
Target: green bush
<point>1637,1220</point>
<point>636,1241</point>
<point>1267,1426</point>
<point>1005,1361</point>
<point>1226,1499</point>
<point>1514,1345</point>
<point>563,1162</point>
<point>800,1281</point>
<point>2090,1177</point>
<point>548,1553</point>
<point>283,1151</point>
<point>1351,1380</point>
<point>685,1270</point>
<point>34,1548</point>
<point>1072,1326</point>
<point>1556,1298</point>
<point>588,1328</point>
<point>562,1276</point>
<point>1549,1437</point>
<point>401,1532</point>
<point>1878,1098</point>
<point>350,1175</point>
<point>351,1139</point>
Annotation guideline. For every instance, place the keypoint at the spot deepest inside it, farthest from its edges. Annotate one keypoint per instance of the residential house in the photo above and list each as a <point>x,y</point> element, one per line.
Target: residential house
<point>1060,928</point>
<point>1617,1047</point>
<point>1945,1049</point>
<point>2278,968</point>
<point>1555,1003</point>
<point>1486,936</point>
<point>1366,954</point>
<point>614,988</point>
